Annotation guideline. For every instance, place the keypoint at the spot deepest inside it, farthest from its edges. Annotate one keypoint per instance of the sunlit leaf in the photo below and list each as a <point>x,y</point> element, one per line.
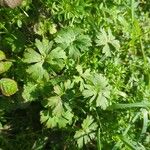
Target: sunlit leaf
<point>31,56</point>
<point>8,86</point>
<point>97,90</point>
<point>2,55</point>
<point>74,41</point>
<point>29,92</point>
<point>104,39</point>
<point>4,66</point>
<point>87,132</point>
<point>37,71</point>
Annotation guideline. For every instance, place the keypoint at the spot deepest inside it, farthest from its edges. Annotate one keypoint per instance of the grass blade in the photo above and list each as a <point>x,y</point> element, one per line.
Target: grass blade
<point>98,140</point>
<point>131,105</point>
<point>128,143</point>
<point>145,122</point>
<point>119,144</point>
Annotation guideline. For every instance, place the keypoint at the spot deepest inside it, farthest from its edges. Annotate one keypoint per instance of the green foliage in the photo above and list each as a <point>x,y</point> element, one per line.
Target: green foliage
<point>8,86</point>
<point>97,89</point>
<point>105,39</point>
<point>54,57</point>
<point>4,66</point>
<point>58,116</point>
<point>74,41</point>
<point>86,133</point>
<point>75,75</point>
<point>2,55</point>
<point>29,92</point>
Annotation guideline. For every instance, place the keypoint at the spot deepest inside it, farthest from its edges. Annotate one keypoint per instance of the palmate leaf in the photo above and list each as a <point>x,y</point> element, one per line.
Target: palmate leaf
<point>65,118</point>
<point>45,54</point>
<point>67,36</point>
<point>60,118</point>
<point>83,42</point>
<point>98,90</point>
<point>29,92</point>
<point>104,39</point>
<point>55,103</point>
<point>82,76</point>
<point>74,51</point>
<point>31,56</point>
<point>37,71</point>
<point>8,86</point>
<point>57,53</point>
<point>57,113</point>
<point>44,47</point>
<point>54,121</point>
<point>74,41</point>
<point>56,57</point>
<point>36,59</point>
<point>87,132</point>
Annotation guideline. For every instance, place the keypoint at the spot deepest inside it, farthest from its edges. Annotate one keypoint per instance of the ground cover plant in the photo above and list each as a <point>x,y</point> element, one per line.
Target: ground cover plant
<point>75,74</point>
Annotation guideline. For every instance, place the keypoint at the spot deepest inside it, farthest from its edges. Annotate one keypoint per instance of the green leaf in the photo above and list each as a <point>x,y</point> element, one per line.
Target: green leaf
<point>4,66</point>
<point>87,132</point>
<point>56,57</point>
<point>31,56</point>
<point>145,122</point>
<point>36,60</point>
<point>29,92</point>
<point>58,90</point>
<point>82,77</point>
<point>47,59</point>
<point>44,115</point>
<point>37,71</point>
<point>67,36</point>
<point>74,51</point>
<point>68,84</point>
<point>8,87</point>
<point>2,55</point>
<point>52,120</point>
<point>98,90</point>
<point>58,53</point>
<point>83,42</point>
<point>55,103</point>
<point>43,46</point>
<point>74,41</point>
<point>106,50</point>
<point>104,39</point>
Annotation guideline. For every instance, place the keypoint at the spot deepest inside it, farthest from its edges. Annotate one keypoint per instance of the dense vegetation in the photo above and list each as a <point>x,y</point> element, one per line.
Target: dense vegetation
<point>75,74</point>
